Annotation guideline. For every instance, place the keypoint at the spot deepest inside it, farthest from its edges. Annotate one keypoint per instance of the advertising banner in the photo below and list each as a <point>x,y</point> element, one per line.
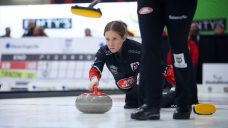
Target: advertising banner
<point>215,74</point>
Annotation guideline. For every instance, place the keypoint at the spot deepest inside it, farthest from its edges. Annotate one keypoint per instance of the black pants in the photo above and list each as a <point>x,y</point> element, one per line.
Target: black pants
<point>177,16</point>
<point>135,97</point>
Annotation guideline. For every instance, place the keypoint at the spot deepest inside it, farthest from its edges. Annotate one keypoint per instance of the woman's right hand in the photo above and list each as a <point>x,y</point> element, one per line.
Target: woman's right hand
<point>94,82</point>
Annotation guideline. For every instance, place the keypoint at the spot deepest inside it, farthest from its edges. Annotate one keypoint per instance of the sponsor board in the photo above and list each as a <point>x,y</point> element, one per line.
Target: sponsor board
<point>215,74</point>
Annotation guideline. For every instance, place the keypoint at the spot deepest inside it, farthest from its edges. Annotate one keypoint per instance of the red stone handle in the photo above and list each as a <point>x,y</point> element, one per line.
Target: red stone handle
<point>95,90</point>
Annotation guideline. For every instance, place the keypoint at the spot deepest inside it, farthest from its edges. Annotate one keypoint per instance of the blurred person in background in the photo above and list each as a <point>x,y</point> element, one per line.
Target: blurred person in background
<point>7,32</point>
<point>39,31</point>
<point>30,29</point>
<point>87,32</point>
<point>194,32</point>
<point>219,29</point>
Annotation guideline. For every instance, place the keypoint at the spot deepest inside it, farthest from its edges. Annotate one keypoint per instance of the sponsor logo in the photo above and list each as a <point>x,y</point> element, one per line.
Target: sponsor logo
<point>172,17</point>
<point>217,79</point>
<point>179,60</point>
<point>19,57</point>
<point>7,45</point>
<point>145,10</point>
<point>134,66</point>
<point>113,69</point>
<point>21,46</point>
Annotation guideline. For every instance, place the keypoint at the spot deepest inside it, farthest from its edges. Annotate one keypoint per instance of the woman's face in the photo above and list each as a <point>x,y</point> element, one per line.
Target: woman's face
<point>114,41</point>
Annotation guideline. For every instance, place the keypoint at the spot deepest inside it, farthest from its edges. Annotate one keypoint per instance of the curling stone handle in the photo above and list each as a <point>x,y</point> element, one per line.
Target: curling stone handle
<point>96,90</point>
<point>95,2</point>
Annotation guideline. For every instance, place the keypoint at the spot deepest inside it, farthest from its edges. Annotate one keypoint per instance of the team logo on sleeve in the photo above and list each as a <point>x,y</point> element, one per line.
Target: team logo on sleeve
<point>179,60</point>
<point>134,66</point>
<point>145,10</point>
<point>126,83</point>
<point>113,69</point>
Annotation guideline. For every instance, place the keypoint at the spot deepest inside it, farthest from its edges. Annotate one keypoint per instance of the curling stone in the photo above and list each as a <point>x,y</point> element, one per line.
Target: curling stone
<point>95,102</point>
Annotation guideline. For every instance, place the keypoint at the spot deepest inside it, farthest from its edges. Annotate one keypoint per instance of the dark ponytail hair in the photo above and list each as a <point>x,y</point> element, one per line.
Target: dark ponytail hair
<point>117,26</point>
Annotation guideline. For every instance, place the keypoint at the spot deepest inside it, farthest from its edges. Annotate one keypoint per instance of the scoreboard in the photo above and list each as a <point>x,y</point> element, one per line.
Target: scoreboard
<point>49,64</point>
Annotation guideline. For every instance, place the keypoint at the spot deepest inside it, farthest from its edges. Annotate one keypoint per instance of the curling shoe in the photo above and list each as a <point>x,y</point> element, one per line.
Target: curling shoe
<point>182,112</point>
<point>146,113</point>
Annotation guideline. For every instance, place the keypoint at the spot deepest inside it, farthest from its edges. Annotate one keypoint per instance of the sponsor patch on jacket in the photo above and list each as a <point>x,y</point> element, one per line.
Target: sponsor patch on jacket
<point>107,52</point>
<point>113,69</point>
<point>134,51</point>
<point>126,83</point>
<point>134,66</point>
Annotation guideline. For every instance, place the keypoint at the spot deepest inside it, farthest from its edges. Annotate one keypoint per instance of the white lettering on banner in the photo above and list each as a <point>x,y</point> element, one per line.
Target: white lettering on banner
<point>19,57</point>
<point>209,24</point>
<point>55,23</point>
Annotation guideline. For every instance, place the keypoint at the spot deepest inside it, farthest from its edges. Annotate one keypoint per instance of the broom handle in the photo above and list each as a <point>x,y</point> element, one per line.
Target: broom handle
<point>94,3</point>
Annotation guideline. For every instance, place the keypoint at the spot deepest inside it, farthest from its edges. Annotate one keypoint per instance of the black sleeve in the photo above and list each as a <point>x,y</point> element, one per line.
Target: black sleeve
<point>100,58</point>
